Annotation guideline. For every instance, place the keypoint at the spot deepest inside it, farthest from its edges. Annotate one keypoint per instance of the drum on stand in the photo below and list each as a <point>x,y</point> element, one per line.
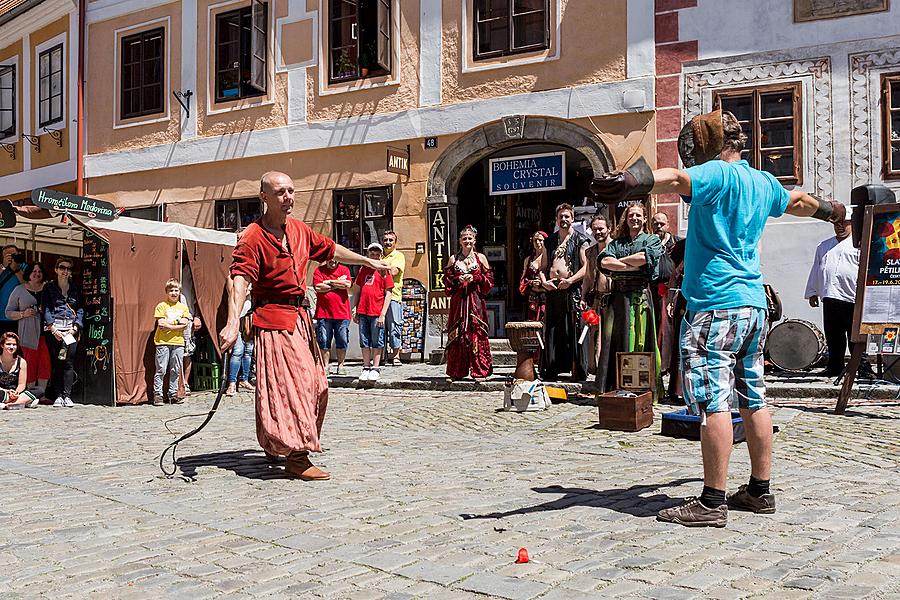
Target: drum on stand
<point>795,345</point>
<point>525,339</point>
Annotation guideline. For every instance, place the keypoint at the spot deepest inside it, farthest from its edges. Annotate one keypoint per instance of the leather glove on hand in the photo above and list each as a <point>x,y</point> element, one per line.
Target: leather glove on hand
<point>838,212</point>
<point>633,182</point>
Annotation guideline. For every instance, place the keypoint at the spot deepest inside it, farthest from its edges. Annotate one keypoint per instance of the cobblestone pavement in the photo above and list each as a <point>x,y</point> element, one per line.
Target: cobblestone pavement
<point>433,494</point>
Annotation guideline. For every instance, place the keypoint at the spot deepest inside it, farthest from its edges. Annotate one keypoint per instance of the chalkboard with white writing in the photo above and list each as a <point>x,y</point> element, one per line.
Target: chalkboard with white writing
<point>95,349</point>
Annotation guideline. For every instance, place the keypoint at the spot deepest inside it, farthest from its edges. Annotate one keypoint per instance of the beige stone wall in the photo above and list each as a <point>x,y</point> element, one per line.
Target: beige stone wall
<point>239,115</point>
<point>592,46</point>
<point>190,192</point>
<point>359,97</point>
<point>106,131</point>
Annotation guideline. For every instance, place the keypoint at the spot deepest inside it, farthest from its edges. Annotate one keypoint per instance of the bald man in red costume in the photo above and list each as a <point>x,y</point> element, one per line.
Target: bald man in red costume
<point>292,389</point>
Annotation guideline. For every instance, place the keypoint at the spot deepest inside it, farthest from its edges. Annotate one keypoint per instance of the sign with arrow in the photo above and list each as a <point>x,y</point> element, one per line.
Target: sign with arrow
<point>75,205</point>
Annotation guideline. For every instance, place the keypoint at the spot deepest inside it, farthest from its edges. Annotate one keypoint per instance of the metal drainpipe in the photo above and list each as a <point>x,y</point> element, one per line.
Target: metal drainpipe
<point>79,161</point>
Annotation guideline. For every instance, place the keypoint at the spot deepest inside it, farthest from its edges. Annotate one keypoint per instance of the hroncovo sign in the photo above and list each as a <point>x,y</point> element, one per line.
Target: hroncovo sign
<point>76,205</point>
<point>532,173</point>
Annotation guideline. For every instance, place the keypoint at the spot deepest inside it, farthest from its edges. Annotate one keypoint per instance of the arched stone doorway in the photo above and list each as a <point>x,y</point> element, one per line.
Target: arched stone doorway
<point>451,177</point>
<point>505,133</point>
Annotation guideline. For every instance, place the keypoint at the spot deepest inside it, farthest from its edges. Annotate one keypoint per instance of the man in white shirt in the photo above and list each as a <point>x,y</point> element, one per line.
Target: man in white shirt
<point>832,280</point>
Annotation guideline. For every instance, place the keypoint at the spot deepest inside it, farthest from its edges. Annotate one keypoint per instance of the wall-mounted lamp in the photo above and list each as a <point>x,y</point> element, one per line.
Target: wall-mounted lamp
<point>55,134</point>
<point>184,99</point>
<point>34,140</point>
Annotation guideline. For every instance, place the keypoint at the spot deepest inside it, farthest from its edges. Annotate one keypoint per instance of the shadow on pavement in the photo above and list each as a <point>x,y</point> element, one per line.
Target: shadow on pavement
<point>251,464</point>
<point>631,501</point>
<point>850,412</point>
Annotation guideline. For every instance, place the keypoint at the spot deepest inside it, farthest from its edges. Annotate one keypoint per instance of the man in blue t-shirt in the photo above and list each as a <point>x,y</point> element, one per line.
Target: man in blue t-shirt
<point>10,278</point>
<point>724,330</point>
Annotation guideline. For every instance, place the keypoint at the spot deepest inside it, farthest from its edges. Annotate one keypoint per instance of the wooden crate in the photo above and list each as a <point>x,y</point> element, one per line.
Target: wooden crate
<point>635,374</point>
<point>621,413</point>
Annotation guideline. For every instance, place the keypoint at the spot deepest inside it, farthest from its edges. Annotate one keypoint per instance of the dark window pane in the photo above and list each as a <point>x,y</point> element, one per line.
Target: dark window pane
<point>895,126</point>
<point>779,163</point>
<point>740,106</point>
<point>521,6</point>
<point>528,30</point>
<point>895,94</point>
<point>151,98</point>
<point>776,105</point>
<point>493,36</point>
<point>343,8</point>
<point>777,134</point>
<point>895,156</point>
<point>375,203</point>
<point>488,9</point>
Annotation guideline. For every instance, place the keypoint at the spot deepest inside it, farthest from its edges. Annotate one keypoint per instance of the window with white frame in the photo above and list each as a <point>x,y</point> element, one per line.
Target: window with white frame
<point>359,39</point>
<point>7,101</point>
<point>504,27</point>
<point>143,74</point>
<point>50,86</point>
<point>890,130</point>
<point>771,116</point>
<point>241,48</point>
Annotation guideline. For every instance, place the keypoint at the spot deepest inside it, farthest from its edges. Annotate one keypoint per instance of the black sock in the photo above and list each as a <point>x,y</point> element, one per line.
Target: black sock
<point>758,487</point>
<point>711,497</point>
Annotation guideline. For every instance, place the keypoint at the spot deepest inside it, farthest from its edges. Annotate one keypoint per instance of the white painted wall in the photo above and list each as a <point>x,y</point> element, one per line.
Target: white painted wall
<point>730,27</point>
<point>839,63</point>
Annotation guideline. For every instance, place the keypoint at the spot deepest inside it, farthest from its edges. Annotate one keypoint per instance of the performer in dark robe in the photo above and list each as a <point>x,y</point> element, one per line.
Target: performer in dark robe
<point>632,259</point>
<point>467,279</point>
<point>292,389</point>
<point>566,264</point>
<point>674,307</point>
<point>530,283</point>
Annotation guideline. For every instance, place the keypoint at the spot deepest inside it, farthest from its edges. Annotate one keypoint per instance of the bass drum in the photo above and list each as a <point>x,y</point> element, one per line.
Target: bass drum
<point>795,345</point>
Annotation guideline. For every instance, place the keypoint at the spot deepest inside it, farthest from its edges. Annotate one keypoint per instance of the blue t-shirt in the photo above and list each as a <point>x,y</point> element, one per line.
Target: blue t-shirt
<point>8,282</point>
<point>730,203</point>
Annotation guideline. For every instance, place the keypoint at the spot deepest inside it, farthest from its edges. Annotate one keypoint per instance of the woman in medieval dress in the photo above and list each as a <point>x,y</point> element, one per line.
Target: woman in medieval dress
<point>632,260</point>
<point>530,284</point>
<point>467,279</point>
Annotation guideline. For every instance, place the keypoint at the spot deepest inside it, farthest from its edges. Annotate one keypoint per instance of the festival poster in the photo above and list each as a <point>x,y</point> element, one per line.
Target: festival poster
<point>884,253</point>
<point>882,294</point>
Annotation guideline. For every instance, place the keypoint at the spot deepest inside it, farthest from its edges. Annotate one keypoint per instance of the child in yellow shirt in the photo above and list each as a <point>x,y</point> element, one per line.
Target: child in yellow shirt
<point>172,317</point>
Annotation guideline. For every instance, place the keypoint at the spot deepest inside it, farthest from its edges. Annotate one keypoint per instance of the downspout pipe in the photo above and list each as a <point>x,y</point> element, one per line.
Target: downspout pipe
<point>79,160</point>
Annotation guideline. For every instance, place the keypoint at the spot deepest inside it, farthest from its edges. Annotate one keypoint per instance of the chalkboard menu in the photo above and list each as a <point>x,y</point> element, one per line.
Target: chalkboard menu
<point>96,345</point>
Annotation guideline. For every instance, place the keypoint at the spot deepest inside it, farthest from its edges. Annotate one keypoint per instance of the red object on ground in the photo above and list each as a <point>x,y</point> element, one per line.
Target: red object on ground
<point>523,556</point>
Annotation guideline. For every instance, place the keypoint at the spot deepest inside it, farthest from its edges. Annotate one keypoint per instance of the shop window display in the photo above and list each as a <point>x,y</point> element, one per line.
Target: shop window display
<point>361,216</point>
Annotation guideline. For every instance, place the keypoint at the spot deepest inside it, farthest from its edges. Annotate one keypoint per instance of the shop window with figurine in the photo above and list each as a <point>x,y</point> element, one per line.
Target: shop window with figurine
<point>234,214</point>
<point>771,116</point>
<point>361,216</point>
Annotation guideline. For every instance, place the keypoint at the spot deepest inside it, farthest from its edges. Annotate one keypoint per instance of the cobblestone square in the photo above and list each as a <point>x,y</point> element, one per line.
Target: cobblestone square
<point>433,494</point>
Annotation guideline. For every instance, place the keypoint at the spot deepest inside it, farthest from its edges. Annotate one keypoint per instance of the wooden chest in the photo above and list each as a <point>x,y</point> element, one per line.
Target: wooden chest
<point>630,407</point>
<point>622,413</point>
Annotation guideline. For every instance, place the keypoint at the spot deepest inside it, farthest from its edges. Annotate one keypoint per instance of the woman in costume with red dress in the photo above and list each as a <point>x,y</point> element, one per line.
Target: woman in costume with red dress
<point>530,284</point>
<point>468,279</point>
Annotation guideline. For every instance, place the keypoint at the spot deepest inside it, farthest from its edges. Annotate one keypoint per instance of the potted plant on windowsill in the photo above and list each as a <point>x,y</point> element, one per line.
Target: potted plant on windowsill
<point>367,60</point>
<point>344,66</point>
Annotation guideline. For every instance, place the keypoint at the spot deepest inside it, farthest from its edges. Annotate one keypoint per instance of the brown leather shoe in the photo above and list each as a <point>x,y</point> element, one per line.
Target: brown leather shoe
<point>298,465</point>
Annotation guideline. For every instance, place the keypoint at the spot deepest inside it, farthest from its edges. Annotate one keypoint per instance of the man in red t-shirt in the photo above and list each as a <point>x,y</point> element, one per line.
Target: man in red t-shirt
<point>331,281</point>
<point>373,300</point>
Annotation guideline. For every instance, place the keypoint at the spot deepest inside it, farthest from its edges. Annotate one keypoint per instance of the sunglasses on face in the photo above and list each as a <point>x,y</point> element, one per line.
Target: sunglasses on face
<point>62,268</point>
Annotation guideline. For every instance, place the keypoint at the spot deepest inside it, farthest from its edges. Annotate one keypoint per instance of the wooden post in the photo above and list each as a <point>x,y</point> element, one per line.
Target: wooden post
<point>849,378</point>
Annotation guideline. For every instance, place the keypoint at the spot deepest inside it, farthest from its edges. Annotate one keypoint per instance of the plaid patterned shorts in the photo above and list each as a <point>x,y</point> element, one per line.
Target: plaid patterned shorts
<point>722,359</point>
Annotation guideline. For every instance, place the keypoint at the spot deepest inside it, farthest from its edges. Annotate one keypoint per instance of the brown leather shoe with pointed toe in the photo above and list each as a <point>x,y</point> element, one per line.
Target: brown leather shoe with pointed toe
<point>299,466</point>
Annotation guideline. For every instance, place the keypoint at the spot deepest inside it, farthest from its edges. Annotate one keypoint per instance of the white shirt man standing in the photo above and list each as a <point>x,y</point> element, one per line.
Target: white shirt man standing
<point>394,319</point>
<point>832,280</point>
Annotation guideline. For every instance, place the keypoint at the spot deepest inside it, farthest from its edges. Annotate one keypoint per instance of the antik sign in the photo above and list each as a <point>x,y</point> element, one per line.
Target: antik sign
<point>76,205</point>
<point>532,173</point>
